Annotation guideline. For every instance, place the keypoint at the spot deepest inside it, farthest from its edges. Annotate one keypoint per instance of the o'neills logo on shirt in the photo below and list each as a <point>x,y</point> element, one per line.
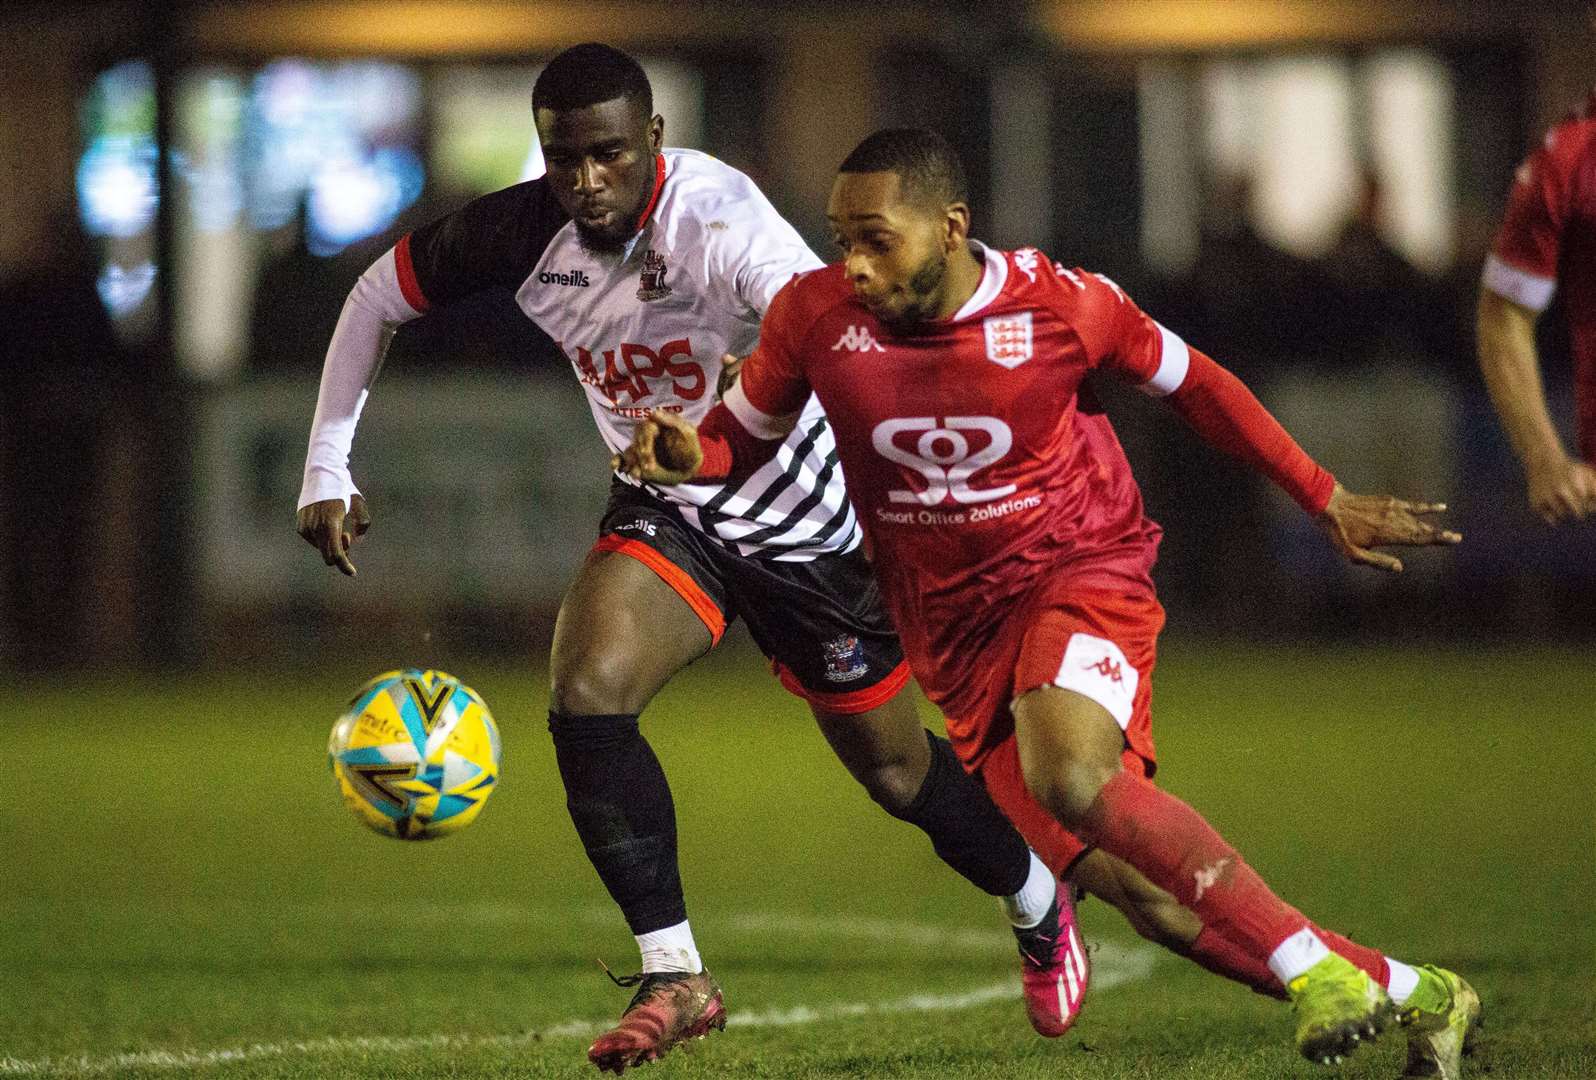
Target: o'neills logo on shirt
<point>575,277</point>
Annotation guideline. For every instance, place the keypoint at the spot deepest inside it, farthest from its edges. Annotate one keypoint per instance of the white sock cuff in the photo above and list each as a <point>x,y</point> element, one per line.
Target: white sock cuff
<point>1026,907</point>
<point>1404,980</point>
<point>670,949</point>
<point>1297,954</point>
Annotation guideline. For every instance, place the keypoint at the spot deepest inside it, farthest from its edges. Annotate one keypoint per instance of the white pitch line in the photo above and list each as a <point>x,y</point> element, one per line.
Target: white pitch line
<point>865,928</point>
<point>1112,966</point>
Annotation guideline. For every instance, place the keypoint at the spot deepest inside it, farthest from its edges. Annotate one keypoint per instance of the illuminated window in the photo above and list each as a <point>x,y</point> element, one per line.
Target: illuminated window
<point>284,169</point>
<point>119,191</point>
<point>336,143</point>
<point>1298,137</point>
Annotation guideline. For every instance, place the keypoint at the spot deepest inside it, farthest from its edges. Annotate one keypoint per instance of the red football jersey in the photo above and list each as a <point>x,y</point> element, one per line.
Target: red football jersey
<point>978,468</point>
<point>1547,243</point>
<point>986,481</point>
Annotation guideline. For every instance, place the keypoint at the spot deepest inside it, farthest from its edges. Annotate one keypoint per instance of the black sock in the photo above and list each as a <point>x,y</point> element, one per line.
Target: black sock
<point>967,831</point>
<point>622,808</point>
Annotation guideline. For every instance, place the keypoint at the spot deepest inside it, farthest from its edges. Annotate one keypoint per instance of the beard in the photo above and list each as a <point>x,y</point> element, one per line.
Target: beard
<point>612,239</point>
<point>922,287</point>
<point>602,241</point>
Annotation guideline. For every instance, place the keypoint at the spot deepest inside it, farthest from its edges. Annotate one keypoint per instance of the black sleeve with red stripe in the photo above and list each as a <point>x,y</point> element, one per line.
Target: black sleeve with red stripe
<point>490,243</point>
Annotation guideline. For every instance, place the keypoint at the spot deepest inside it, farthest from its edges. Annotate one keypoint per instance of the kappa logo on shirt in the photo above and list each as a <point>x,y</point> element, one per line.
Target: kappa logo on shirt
<point>857,339</point>
<point>1008,339</point>
<point>1025,260</point>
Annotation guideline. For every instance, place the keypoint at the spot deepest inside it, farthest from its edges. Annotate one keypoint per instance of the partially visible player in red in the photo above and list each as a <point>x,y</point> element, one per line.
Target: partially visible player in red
<point>1009,541</point>
<point>1547,243</point>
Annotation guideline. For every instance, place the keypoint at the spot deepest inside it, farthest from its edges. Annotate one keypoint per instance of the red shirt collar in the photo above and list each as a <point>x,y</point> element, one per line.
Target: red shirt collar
<point>659,183</point>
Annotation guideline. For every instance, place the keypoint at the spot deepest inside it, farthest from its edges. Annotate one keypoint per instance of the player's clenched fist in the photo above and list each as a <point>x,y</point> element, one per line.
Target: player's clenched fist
<point>664,450</point>
<point>1562,490</point>
<point>1356,523</point>
<point>328,528</point>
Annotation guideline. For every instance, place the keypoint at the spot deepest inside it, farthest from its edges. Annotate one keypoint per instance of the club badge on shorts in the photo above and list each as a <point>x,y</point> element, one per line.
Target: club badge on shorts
<point>651,283</point>
<point>845,659</point>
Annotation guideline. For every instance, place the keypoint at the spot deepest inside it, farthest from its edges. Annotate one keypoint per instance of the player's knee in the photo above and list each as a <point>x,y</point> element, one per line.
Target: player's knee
<point>596,684</point>
<point>1067,787</point>
<point>893,785</point>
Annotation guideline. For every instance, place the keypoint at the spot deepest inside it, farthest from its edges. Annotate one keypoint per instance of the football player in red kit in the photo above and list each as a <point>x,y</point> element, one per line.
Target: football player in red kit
<point>1010,545</point>
<point>1547,243</point>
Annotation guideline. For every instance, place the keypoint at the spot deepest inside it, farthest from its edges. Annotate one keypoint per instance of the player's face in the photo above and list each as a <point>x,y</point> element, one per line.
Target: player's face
<point>895,250</point>
<point>600,161</point>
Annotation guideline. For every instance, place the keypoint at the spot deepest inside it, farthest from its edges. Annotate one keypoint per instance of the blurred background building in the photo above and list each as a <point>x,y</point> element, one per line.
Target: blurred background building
<point>1304,188</point>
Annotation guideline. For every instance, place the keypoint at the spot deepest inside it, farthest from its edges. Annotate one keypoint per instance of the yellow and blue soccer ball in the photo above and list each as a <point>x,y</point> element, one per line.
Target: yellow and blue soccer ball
<point>416,754</point>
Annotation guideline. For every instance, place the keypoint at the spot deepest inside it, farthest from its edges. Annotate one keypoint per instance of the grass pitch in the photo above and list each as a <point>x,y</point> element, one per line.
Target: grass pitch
<point>186,896</point>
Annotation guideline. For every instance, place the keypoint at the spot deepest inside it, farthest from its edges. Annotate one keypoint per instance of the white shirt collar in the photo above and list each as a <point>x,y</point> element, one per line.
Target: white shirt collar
<point>994,274</point>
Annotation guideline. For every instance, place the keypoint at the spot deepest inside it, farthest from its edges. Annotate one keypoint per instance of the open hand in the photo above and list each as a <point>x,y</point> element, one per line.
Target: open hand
<point>328,528</point>
<point>664,450</point>
<point>1357,523</point>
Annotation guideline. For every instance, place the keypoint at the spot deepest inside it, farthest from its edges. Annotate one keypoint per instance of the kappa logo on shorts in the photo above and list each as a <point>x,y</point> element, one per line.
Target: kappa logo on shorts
<point>1096,668</point>
<point>1108,669</point>
<point>845,659</point>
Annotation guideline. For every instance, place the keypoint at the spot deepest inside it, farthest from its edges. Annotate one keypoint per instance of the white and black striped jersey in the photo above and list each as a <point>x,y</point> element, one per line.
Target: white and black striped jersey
<point>643,329</point>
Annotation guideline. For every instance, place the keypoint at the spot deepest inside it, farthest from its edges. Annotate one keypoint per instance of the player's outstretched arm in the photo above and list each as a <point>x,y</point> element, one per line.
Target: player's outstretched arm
<point>331,530</point>
<point>1228,416</point>
<point>664,450</point>
<point>1559,486</point>
<point>1356,524</point>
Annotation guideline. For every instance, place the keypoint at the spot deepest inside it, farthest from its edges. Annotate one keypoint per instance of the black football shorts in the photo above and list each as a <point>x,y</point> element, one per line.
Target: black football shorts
<point>820,622</point>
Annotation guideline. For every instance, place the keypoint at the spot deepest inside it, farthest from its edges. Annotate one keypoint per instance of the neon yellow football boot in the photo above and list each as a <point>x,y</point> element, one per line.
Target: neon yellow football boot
<point>1338,1008</point>
<point>1443,1020</point>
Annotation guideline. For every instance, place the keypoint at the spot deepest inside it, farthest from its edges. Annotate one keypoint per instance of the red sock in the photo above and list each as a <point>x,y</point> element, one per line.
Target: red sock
<point>1222,957</point>
<point>1181,853</point>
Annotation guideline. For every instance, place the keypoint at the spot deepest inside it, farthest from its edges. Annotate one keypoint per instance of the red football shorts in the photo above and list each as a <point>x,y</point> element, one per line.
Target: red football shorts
<point>1100,644</point>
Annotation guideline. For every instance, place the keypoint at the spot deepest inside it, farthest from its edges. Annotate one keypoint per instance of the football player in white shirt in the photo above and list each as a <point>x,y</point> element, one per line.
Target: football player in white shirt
<point>645,266</point>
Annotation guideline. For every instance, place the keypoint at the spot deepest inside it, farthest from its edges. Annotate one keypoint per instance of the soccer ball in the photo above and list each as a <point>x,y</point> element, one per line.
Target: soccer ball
<point>416,754</point>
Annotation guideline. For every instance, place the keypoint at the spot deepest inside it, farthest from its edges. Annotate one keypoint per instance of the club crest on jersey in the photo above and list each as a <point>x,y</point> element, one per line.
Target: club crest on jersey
<point>845,659</point>
<point>651,283</point>
<point>1008,339</point>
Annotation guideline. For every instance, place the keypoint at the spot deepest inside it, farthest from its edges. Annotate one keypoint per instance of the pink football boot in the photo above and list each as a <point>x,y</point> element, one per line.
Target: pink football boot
<point>668,1008</point>
<point>1053,967</point>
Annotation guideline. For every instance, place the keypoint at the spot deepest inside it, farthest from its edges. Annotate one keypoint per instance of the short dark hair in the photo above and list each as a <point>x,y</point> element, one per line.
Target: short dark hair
<point>588,74</point>
<point>927,165</point>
